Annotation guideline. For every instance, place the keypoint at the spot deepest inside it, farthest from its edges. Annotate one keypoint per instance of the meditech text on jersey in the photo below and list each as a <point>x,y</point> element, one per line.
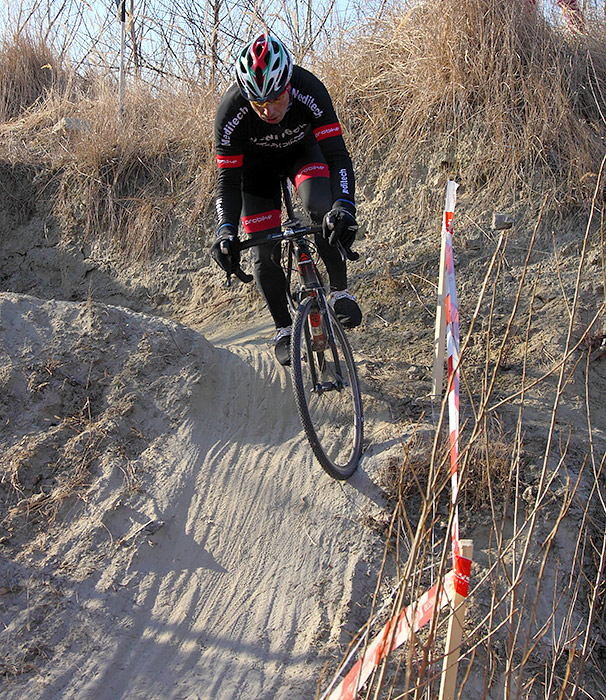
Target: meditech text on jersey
<point>219,207</point>
<point>308,101</point>
<point>231,125</point>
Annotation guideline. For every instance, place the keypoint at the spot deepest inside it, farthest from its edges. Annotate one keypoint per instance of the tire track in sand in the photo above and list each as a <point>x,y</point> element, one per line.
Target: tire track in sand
<point>259,559</point>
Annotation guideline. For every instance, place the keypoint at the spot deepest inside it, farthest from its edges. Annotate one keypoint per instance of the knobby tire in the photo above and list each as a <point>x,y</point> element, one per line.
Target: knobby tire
<point>332,419</point>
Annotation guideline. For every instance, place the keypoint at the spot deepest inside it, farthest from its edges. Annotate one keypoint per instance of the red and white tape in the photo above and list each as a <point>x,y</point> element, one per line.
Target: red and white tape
<point>452,345</point>
<point>461,567</point>
<point>408,622</point>
<point>419,613</point>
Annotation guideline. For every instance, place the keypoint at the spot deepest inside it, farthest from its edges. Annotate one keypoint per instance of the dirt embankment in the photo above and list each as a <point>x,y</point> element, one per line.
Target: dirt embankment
<point>166,531</point>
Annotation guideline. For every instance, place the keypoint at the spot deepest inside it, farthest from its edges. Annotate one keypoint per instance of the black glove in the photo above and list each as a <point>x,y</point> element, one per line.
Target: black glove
<point>225,251</point>
<point>340,225</point>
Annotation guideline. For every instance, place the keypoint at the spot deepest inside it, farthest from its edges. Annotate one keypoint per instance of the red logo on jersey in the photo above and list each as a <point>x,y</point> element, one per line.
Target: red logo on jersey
<point>311,170</point>
<point>324,132</point>
<point>263,221</point>
<point>230,161</point>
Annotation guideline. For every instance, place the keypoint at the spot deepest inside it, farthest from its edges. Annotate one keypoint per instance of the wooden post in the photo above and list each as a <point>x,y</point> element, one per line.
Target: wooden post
<point>454,637</point>
<point>439,341</point>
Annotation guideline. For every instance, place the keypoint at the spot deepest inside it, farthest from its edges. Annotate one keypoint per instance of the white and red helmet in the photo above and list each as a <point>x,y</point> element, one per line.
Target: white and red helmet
<point>263,69</point>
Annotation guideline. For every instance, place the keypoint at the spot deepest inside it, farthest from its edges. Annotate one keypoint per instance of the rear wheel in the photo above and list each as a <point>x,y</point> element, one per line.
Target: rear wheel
<point>327,392</point>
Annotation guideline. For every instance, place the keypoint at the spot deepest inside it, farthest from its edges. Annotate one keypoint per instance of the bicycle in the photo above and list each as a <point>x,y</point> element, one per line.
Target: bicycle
<point>325,380</point>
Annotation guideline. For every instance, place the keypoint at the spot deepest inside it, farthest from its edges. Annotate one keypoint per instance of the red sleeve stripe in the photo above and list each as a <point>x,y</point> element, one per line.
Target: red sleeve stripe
<point>263,221</point>
<point>311,170</point>
<point>328,130</point>
<point>230,161</point>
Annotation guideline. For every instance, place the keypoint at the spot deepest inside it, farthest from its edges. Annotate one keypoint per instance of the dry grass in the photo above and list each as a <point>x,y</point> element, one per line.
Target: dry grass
<point>67,475</point>
<point>533,498</point>
<point>142,179</point>
<point>139,180</point>
<point>489,92</point>
<point>29,70</point>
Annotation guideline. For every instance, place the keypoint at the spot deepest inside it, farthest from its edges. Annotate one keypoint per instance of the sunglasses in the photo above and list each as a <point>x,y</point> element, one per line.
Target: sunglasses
<point>261,105</point>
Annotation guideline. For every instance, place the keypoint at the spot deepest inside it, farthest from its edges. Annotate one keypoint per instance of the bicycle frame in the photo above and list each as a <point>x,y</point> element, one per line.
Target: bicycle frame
<point>325,383</point>
<point>312,287</point>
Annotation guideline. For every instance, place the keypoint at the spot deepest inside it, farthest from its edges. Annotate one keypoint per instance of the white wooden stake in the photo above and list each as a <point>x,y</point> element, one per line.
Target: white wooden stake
<point>439,340</point>
<point>448,685</point>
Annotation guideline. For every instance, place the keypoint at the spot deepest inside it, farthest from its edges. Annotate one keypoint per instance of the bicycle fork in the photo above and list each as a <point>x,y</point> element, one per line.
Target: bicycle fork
<point>320,344</point>
<point>320,333</point>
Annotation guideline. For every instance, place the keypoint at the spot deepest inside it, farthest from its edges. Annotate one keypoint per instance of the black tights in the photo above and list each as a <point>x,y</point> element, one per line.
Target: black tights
<point>316,196</point>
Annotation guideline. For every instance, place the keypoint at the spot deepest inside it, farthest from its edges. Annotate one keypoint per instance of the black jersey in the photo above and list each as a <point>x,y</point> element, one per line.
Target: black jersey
<point>310,118</point>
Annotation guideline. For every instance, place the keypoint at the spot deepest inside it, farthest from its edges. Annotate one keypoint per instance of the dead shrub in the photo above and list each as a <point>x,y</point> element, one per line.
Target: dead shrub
<point>140,179</point>
<point>29,70</point>
<point>490,93</point>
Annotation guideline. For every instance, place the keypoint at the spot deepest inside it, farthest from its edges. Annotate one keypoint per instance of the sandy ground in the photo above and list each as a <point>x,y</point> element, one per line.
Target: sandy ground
<point>168,533</point>
<point>201,552</point>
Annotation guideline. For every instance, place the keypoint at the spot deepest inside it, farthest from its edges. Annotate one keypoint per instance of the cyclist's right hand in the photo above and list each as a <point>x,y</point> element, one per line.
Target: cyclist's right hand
<point>225,250</point>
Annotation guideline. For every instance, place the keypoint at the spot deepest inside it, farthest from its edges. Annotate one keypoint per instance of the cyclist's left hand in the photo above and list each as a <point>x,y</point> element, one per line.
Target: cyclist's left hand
<point>340,225</point>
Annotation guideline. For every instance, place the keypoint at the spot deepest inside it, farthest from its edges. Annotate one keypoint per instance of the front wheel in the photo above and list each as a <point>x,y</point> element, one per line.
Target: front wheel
<point>327,392</point>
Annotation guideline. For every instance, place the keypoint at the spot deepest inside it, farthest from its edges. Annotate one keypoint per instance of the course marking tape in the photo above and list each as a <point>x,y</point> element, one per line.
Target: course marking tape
<point>400,629</point>
<point>452,345</point>
<point>407,623</point>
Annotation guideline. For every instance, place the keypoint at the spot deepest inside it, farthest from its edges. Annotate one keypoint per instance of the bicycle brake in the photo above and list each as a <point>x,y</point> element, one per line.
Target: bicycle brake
<point>347,252</point>
<point>241,275</point>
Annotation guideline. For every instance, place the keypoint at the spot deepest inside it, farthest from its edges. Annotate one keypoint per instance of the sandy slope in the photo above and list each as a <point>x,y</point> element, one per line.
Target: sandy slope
<point>168,533</point>
<point>208,556</point>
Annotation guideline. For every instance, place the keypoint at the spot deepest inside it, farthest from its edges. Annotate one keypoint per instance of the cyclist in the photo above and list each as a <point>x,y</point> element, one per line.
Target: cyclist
<point>278,119</point>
